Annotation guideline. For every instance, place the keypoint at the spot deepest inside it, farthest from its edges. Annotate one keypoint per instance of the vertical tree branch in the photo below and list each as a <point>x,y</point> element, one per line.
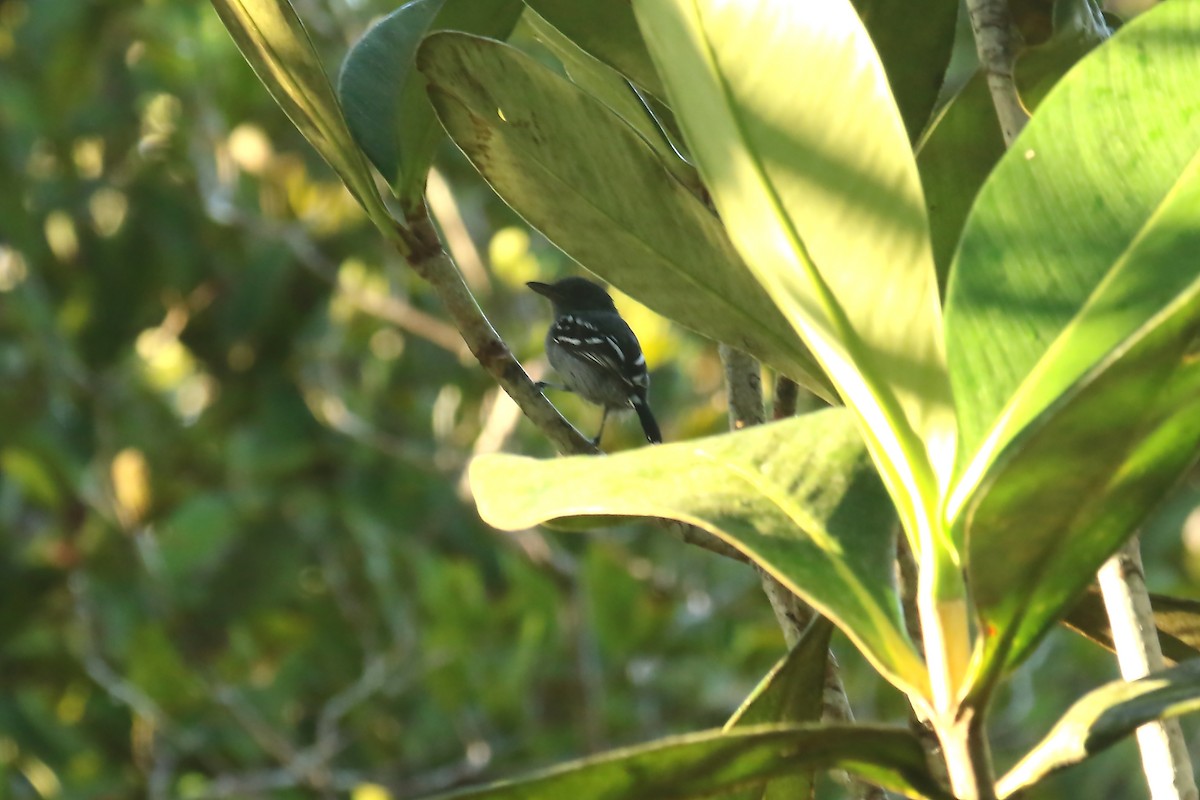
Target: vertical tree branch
<point>743,384</point>
<point>996,41</point>
<point>787,392</point>
<point>1164,750</point>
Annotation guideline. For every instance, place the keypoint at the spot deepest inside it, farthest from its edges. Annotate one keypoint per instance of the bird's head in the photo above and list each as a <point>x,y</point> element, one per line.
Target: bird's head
<point>574,294</point>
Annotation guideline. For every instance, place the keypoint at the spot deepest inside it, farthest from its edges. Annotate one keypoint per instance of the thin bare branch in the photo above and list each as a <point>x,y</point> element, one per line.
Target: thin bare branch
<point>996,41</point>
<point>1164,751</point>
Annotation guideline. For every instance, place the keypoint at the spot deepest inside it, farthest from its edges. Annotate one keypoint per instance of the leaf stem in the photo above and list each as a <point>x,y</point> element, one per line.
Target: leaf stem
<point>968,757</point>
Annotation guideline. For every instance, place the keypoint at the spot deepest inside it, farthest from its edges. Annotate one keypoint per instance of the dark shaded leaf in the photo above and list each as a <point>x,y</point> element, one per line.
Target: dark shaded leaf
<point>1176,619</point>
<point>702,764</point>
<point>793,691</point>
<point>915,57</point>
<point>608,31</point>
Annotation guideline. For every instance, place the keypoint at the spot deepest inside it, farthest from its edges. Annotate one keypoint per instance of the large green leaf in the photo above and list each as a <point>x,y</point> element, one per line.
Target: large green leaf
<point>1176,623</point>
<point>798,497</point>
<point>915,57</point>
<point>384,95</point>
<point>1077,483</point>
<point>613,90</point>
<point>1079,236</point>
<point>1071,310</point>
<point>1102,717</point>
<point>592,185</point>
<point>700,765</point>
<point>816,182</point>
<point>274,42</point>
<point>608,31</point>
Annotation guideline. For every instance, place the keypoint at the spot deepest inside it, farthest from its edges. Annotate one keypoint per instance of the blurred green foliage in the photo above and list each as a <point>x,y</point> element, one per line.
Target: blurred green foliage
<point>236,554</point>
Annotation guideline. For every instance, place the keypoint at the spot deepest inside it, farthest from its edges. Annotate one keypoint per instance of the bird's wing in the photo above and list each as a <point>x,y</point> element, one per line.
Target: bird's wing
<point>613,347</point>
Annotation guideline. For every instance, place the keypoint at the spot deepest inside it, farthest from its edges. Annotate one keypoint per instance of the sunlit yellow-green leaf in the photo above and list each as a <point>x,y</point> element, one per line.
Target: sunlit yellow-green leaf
<point>788,114</point>
<point>1072,315</point>
<point>799,497</point>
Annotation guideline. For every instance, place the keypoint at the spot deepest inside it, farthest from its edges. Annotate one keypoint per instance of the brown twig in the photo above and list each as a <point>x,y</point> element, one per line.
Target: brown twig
<point>431,262</point>
<point>787,393</point>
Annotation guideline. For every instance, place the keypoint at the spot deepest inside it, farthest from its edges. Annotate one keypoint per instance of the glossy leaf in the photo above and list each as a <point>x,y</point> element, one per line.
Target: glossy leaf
<point>384,95</point>
<point>915,57</point>
<point>1069,320</point>
<point>586,180</point>
<point>1094,207</point>
<point>792,692</point>
<point>608,31</point>
<point>700,765</point>
<point>274,42</point>
<point>819,190</point>
<point>799,497</point>
<point>1176,622</point>
<point>1078,482</point>
<point>1103,717</point>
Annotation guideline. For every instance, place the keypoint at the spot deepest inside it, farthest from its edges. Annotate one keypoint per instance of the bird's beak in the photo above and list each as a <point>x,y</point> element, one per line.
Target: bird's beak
<point>544,289</point>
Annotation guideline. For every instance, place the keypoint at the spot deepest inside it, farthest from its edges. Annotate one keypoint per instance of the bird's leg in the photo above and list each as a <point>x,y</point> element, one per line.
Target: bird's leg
<point>600,432</point>
<point>542,386</point>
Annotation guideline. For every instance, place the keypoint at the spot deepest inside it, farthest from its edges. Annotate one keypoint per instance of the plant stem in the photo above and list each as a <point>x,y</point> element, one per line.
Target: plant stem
<point>787,392</point>
<point>996,43</point>
<point>968,758</point>
<point>1131,618</point>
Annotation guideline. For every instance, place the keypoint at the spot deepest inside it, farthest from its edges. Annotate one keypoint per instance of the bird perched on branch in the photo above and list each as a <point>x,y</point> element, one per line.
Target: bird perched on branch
<point>595,352</point>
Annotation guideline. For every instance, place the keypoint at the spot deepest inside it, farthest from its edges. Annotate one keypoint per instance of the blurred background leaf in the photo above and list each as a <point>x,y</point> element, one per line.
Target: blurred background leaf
<point>233,432</point>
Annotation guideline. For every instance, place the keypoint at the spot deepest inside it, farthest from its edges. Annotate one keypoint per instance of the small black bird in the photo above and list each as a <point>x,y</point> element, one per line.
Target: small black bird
<point>595,352</point>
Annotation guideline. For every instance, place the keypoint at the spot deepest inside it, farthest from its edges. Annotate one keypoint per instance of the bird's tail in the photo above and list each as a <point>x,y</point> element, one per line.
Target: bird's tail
<point>649,424</point>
